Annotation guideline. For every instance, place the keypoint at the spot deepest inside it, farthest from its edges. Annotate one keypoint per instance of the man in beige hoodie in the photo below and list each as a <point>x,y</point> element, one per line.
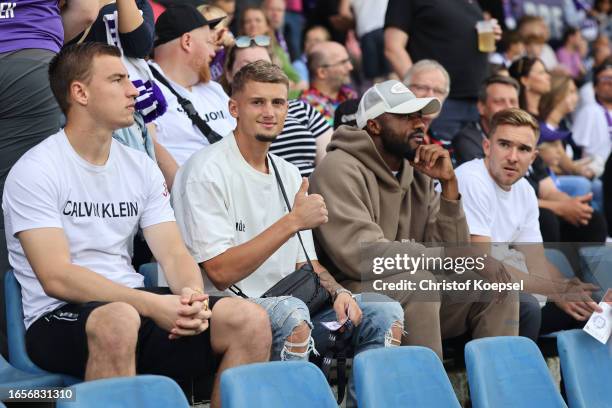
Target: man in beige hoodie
<point>377,180</point>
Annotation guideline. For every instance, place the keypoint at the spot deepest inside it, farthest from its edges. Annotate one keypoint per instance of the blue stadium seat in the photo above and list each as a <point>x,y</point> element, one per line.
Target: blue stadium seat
<point>18,356</point>
<point>11,377</point>
<point>596,267</point>
<point>509,372</point>
<point>151,391</point>
<point>278,384</point>
<point>586,365</point>
<point>402,377</point>
<point>558,258</point>
<point>149,271</point>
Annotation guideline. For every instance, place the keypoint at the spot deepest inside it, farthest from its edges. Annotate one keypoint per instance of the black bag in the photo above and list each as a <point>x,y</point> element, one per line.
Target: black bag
<point>189,110</point>
<point>303,283</point>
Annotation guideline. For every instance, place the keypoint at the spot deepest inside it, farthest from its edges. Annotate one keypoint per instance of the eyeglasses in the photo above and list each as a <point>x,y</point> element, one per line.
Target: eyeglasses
<point>426,89</point>
<point>343,62</point>
<point>244,41</point>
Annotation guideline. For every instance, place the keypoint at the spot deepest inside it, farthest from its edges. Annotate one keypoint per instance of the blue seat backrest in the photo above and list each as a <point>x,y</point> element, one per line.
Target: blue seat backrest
<point>151,391</point>
<point>509,372</point>
<point>402,377</point>
<point>278,384</point>
<point>586,365</point>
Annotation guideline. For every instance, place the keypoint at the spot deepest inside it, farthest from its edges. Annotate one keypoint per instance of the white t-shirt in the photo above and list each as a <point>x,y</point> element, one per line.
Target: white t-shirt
<point>99,208</point>
<point>369,15</point>
<point>590,130</point>
<point>504,216</point>
<point>221,202</point>
<point>177,133</point>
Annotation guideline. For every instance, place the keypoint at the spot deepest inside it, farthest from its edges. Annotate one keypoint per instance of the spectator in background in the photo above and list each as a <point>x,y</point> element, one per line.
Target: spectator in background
<point>426,79</point>
<point>369,18</point>
<point>534,81</point>
<point>305,133</point>
<point>223,38</point>
<point>591,129</point>
<point>570,176</point>
<point>228,6</point>
<point>275,14</point>
<point>329,68</point>
<point>253,22</point>
<point>313,35</point>
<point>535,34</point>
<point>572,52</point>
<point>346,113</point>
<point>184,47</point>
<point>496,93</point>
<point>32,32</point>
<point>512,47</point>
<point>443,31</point>
<point>294,27</point>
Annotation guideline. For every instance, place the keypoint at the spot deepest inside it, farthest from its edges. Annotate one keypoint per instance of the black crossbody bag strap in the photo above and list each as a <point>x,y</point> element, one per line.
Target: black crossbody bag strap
<point>282,188</point>
<point>235,289</point>
<point>189,109</point>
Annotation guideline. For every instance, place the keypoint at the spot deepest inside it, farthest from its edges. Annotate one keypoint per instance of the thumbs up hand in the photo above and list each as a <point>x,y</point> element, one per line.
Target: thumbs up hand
<point>309,211</point>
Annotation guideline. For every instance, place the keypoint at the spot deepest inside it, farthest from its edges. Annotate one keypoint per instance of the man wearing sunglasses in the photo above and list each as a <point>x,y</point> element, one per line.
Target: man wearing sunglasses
<point>184,48</point>
<point>329,68</point>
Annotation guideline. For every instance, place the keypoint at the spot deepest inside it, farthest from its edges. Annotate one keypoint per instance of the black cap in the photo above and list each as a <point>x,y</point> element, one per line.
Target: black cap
<point>346,113</point>
<point>178,20</point>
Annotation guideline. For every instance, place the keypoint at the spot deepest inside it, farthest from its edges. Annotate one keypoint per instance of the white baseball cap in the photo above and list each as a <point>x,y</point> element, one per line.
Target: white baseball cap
<point>392,97</point>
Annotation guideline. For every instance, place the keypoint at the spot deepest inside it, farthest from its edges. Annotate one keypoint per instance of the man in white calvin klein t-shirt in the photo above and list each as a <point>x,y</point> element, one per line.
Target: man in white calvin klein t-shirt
<point>72,205</point>
<point>237,226</point>
<point>502,208</point>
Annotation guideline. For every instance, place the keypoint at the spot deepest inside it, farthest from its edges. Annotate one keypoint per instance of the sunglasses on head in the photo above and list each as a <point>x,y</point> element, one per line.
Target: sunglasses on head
<point>245,41</point>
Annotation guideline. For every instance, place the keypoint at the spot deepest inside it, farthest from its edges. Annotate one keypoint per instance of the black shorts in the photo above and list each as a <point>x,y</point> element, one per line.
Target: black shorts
<point>57,342</point>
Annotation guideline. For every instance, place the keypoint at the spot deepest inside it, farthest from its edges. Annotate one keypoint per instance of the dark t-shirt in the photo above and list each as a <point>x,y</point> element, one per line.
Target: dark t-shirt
<point>536,173</point>
<point>445,31</point>
<point>467,144</point>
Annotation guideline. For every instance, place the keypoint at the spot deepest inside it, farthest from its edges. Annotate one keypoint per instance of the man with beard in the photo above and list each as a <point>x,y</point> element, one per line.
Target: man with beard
<point>230,208</point>
<point>184,48</point>
<point>378,183</point>
<point>329,68</point>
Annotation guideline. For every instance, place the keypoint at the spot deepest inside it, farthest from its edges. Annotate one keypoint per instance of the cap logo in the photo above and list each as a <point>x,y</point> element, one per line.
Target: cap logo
<point>399,88</point>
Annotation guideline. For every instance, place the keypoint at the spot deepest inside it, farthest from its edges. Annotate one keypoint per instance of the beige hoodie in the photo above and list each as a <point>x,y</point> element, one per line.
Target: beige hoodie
<point>367,204</point>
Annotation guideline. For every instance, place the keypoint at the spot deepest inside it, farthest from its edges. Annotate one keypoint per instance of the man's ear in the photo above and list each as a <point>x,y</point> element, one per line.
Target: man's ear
<point>79,93</point>
<point>486,146</point>
<point>232,106</point>
<point>186,41</point>
<point>373,127</point>
<point>535,154</point>
<point>481,108</point>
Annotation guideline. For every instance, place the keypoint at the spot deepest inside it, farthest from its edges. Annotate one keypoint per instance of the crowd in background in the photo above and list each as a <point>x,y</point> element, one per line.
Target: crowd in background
<point>552,59</point>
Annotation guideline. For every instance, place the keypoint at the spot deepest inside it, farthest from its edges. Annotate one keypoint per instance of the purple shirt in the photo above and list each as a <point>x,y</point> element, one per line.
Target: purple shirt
<point>30,24</point>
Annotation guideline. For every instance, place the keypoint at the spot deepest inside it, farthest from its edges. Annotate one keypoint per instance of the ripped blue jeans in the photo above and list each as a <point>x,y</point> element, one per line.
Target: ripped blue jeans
<point>286,313</point>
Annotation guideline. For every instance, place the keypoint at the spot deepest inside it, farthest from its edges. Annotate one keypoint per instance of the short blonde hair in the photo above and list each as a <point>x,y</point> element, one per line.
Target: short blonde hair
<point>259,71</point>
<point>514,117</point>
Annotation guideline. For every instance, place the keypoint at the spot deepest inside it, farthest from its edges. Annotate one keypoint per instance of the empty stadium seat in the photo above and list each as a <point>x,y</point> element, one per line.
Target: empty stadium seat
<point>509,372</point>
<point>13,378</point>
<point>402,377</point>
<point>278,384</point>
<point>151,391</point>
<point>586,365</point>
<point>18,356</point>
<point>596,266</point>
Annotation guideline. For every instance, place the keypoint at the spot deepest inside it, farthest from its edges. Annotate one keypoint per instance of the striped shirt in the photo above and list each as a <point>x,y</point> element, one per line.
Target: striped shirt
<point>297,142</point>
